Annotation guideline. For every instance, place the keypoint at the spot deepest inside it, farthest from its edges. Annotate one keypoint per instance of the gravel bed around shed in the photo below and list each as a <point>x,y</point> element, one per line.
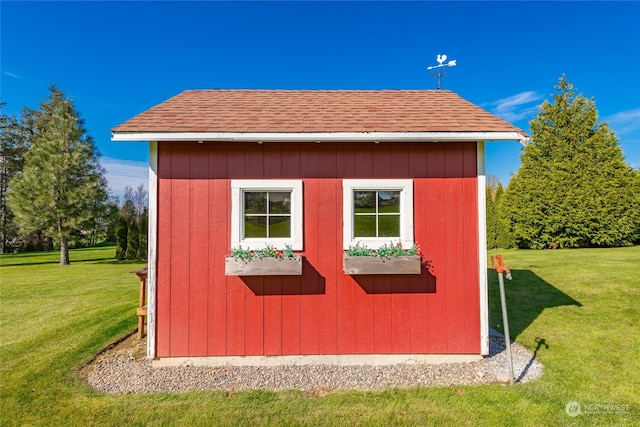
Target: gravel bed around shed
<point>124,369</point>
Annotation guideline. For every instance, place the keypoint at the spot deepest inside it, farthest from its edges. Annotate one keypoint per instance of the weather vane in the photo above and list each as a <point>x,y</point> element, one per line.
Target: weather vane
<point>439,69</point>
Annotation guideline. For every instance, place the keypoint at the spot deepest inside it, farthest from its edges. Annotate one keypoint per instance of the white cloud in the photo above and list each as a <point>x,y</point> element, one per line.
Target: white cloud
<point>120,173</point>
<point>8,74</point>
<point>624,122</point>
<point>517,107</point>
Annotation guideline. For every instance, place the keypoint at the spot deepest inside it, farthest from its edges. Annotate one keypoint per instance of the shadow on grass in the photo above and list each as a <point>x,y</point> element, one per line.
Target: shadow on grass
<point>118,261</point>
<point>527,296</point>
<point>72,261</point>
<point>541,342</point>
<point>94,255</point>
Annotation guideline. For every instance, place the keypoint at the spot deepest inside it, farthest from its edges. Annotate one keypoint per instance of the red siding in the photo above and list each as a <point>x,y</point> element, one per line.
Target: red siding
<point>421,303</point>
<point>218,233</point>
<point>198,255</point>
<point>203,312</point>
<point>180,328</point>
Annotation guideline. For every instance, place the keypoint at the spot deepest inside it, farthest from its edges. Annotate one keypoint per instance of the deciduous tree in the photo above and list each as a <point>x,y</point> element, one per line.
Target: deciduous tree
<point>140,200</point>
<point>128,211</point>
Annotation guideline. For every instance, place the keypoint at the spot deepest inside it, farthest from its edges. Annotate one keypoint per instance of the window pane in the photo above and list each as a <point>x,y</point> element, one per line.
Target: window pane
<point>389,201</point>
<point>389,226</point>
<point>279,202</point>
<point>279,226</point>
<point>255,202</point>
<point>364,201</point>
<point>364,226</point>
<point>255,226</point>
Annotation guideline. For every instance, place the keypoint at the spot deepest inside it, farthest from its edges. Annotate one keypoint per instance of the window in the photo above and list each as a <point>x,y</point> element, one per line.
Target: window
<point>266,212</point>
<point>377,212</point>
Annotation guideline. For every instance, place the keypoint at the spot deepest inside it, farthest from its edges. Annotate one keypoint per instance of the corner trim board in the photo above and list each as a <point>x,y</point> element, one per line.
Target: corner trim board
<point>152,276</point>
<point>482,250</point>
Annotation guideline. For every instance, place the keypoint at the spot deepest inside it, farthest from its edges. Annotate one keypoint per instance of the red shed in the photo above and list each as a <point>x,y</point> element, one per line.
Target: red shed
<point>314,172</point>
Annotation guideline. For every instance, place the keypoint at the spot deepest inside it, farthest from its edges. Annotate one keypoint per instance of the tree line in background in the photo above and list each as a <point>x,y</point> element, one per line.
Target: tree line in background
<point>573,189</point>
<point>131,226</point>
<point>52,189</point>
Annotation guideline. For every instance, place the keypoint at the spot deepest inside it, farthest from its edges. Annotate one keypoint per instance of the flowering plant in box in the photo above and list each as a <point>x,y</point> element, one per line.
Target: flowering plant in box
<point>269,251</point>
<point>387,259</point>
<point>387,251</point>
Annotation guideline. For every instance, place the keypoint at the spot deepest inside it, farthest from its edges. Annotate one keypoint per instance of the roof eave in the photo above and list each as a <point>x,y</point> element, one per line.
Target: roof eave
<point>320,136</point>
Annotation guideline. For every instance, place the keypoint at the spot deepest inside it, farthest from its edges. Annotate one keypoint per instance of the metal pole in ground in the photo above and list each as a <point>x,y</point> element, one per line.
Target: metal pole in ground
<point>500,268</point>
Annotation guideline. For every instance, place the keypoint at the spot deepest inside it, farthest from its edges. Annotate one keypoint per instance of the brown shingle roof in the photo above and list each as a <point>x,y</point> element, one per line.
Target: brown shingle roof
<point>300,111</point>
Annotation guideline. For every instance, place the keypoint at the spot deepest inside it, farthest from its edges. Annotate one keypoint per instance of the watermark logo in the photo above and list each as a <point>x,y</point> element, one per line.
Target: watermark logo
<point>573,409</point>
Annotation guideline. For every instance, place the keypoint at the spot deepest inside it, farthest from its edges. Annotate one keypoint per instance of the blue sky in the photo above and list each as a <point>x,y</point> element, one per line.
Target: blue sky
<point>116,59</point>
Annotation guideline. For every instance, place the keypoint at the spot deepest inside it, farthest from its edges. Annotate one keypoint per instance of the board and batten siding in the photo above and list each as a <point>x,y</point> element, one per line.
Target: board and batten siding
<point>202,312</point>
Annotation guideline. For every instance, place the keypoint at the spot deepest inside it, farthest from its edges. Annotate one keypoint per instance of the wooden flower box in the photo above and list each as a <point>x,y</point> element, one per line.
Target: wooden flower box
<point>354,265</point>
<point>263,266</point>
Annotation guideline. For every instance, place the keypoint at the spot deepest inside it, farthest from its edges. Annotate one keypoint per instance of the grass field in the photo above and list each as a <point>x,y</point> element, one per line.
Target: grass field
<point>578,309</point>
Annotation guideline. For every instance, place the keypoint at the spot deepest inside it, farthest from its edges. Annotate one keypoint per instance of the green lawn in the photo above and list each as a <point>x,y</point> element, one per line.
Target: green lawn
<point>578,308</point>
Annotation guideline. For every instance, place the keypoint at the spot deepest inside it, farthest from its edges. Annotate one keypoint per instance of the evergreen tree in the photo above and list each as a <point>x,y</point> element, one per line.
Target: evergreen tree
<point>636,191</point>
<point>492,220</point>
<point>13,145</point>
<point>110,221</point>
<point>574,188</point>
<point>142,237</point>
<point>61,180</point>
<point>122,232</point>
<point>498,228</point>
<point>132,240</point>
<point>504,238</point>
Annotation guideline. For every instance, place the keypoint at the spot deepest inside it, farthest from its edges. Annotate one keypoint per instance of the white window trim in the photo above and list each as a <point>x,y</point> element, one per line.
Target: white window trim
<point>240,185</point>
<point>405,186</point>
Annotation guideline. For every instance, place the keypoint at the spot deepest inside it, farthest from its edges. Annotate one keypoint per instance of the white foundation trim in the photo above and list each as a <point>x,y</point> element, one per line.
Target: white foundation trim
<point>338,360</point>
<point>320,136</point>
<point>482,251</point>
<point>152,277</point>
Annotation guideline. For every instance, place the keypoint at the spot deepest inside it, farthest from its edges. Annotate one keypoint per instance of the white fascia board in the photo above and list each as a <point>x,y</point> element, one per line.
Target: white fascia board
<point>319,136</point>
